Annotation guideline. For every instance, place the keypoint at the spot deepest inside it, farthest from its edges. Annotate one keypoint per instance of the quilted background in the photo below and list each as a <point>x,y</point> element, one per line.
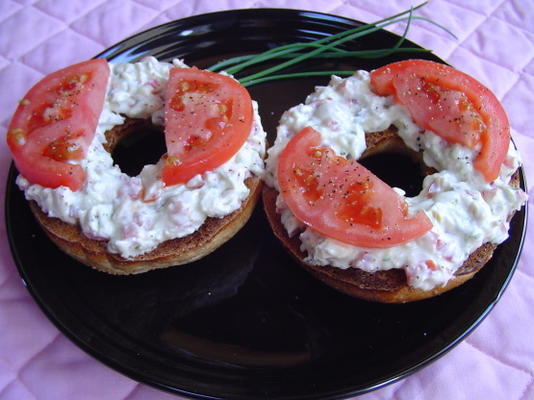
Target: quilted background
<point>495,44</point>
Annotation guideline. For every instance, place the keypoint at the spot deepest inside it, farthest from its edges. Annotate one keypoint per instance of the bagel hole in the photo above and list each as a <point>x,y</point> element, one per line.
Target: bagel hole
<point>141,144</point>
<point>397,170</point>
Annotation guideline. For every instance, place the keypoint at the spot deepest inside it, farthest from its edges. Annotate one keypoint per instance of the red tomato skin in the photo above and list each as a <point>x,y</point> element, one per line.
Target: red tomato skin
<point>495,138</point>
<point>208,117</point>
<point>77,112</point>
<point>322,204</point>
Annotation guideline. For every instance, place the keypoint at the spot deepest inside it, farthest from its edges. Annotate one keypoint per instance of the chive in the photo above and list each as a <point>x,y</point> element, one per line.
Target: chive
<point>336,54</point>
<point>303,57</point>
<point>403,37</point>
<point>372,53</point>
<point>277,52</point>
<point>326,47</point>
<point>273,52</point>
<point>235,60</point>
<point>297,75</point>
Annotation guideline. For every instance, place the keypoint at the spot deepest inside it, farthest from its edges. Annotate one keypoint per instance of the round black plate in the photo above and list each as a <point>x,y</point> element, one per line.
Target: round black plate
<point>246,321</point>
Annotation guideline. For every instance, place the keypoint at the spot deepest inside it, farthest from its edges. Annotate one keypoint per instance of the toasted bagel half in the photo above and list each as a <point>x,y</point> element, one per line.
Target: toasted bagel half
<point>212,234</point>
<point>387,286</point>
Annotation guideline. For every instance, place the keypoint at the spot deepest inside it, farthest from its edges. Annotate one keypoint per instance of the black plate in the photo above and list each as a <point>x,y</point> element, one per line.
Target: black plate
<point>246,322</point>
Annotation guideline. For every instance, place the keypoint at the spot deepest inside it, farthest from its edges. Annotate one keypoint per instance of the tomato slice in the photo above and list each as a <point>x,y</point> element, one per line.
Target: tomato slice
<point>55,123</point>
<point>451,104</point>
<point>341,199</point>
<point>208,117</point>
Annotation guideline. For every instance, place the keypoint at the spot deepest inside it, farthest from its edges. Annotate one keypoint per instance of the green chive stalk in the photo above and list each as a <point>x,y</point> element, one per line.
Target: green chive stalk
<point>322,48</point>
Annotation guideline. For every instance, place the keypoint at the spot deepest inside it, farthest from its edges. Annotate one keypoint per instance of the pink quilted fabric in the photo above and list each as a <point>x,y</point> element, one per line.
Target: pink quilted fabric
<point>495,44</point>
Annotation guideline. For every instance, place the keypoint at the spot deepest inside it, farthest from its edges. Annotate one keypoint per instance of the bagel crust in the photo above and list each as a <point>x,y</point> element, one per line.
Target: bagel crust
<point>124,223</point>
<point>467,215</point>
<point>386,286</point>
<point>212,234</point>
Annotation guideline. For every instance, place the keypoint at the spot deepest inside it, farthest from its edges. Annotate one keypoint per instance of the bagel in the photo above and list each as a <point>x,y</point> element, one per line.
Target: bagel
<point>123,224</point>
<point>377,124</point>
<point>388,286</point>
<point>94,253</point>
<point>213,233</point>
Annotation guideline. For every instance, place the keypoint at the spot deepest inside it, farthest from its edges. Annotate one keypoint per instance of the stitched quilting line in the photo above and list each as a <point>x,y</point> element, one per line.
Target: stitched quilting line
<point>526,31</point>
<point>521,271</point>
<point>529,373</point>
<point>512,4</point>
<point>17,295</point>
<point>28,66</point>
<point>483,57</point>
<point>526,391</point>
<point>492,13</point>
<point>7,276</point>
<point>6,16</point>
<point>7,366</point>
<point>69,25</point>
<point>170,18</point>
<point>478,25</point>
<point>516,81</point>
<point>419,25</point>
<point>12,382</point>
<point>29,361</point>
<point>157,9</point>
<point>402,383</point>
<point>87,37</point>
<point>36,354</point>
<point>133,32</point>
<point>465,5</point>
<point>93,2</point>
<point>164,13</point>
<point>503,362</point>
<point>38,43</point>
<point>134,390</point>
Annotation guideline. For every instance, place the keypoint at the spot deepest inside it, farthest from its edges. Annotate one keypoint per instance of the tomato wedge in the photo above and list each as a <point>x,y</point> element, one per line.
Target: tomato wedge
<point>341,199</point>
<point>208,117</point>
<point>55,123</point>
<point>451,104</point>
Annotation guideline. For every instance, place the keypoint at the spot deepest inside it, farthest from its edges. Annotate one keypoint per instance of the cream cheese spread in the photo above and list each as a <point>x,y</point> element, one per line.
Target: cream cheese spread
<point>135,214</point>
<point>465,210</point>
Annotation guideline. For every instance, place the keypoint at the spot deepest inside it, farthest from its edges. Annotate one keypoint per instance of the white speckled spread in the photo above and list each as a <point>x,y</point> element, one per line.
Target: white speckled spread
<point>465,210</point>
